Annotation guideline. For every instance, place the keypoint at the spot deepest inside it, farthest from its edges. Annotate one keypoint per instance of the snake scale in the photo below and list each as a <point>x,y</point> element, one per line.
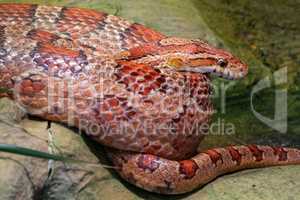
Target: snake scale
<point>140,93</point>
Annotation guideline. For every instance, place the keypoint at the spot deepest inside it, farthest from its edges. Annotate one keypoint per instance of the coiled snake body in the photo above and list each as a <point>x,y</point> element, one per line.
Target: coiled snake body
<point>128,87</point>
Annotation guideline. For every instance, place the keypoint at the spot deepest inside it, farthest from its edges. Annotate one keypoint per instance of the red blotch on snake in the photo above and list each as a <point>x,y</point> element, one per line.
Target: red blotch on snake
<point>235,155</point>
<point>188,168</point>
<point>256,152</point>
<point>281,153</point>
<point>214,156</point>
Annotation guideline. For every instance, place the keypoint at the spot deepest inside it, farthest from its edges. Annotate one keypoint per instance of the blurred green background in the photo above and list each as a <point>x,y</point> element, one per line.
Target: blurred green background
<point>264,34</point>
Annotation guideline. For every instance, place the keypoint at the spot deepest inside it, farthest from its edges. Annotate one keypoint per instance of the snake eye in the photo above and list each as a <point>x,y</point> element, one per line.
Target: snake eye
<point>222,63</point>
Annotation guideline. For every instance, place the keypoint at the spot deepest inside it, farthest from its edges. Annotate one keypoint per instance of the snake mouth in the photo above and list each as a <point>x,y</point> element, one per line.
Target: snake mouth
<point>228,73</point>
<point>216,70</point>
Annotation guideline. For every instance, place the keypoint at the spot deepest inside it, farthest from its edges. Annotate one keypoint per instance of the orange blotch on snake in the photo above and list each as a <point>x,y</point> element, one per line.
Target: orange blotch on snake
<point>188,168</point>
<point>42,36</point>
<point>187,48</point>
<point>17,12</point>
<point>141,51</point>
<point>51,49</point>
<point>147,34</point>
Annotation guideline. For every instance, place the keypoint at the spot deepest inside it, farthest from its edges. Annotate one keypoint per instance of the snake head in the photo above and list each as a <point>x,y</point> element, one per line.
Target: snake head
<point>189,56</point>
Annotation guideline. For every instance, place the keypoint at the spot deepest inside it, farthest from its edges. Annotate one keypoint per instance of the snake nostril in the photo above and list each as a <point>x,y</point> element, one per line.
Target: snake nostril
<point>222,63</point>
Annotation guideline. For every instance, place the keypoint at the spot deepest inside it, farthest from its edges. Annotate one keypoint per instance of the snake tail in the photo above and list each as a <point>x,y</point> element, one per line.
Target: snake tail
<point>165,176</point>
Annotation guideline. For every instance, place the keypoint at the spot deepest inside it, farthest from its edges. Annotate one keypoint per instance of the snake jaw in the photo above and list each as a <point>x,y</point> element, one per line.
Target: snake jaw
<point>230,74</point>
<point>215,70</point>
<point>202,69</point>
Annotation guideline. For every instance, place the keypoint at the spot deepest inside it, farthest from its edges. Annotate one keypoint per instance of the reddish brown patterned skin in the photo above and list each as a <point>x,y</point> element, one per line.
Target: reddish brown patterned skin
<point>188,168</point>
<point>127,87</point>
<point>235,154</point>
<point>87,21</point>
<point>281,153</point>
<point>143,34</point>
<point>176,177</point>
<point>19,14</point>
<point>256,152</point>
<point>42,36</point>
<point>214,156</point>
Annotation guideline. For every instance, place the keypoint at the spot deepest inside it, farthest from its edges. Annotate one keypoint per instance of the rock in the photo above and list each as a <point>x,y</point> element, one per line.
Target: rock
<point>21,175</point>
<point>14,182</point>
<point>258,184</point>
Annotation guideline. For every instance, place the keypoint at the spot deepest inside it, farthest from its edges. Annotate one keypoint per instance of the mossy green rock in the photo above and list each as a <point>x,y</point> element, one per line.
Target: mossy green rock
<point>263,34</point>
